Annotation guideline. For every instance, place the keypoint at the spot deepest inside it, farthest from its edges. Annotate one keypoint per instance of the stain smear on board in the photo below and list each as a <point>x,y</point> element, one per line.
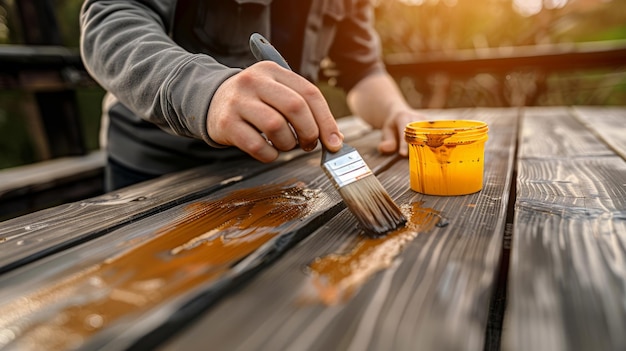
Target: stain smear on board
<point>198,248</point>
<point>336,277</point>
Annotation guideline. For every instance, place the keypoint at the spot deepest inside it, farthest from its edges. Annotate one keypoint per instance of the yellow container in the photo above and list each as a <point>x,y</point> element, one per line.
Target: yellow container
<point>446,157</point>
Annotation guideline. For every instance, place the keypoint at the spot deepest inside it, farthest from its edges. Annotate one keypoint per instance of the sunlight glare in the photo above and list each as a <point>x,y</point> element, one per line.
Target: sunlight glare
<point>555,4</point>
<point>413,2</point>
<point>528,7</point>
<point>533,7</point>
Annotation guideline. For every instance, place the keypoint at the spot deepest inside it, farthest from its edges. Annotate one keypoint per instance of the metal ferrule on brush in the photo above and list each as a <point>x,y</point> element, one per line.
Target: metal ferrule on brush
<point>345,166</point>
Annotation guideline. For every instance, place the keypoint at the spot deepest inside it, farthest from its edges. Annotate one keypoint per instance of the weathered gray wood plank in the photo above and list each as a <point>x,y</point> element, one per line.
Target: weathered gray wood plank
<point>552,132</point>
<point>36,235</point>
<point>433,295</point>
<point>607,123</point>
<point>36,174</point>
<point>167,256</point>
<point>567,282</point>
<point>44,184</point>
<point>30,237</point>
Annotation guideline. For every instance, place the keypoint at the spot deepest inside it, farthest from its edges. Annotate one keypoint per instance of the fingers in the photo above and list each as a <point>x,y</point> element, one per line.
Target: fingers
<point>227,127</point>
<point>307,110</point>
<point>251,142</point>
<point>292,109</point>
<point>271,123</point>
<point>393,132</point>
<point>328,131</point>
<point>267,99</point>
<point>388,143</point>
<point>403,148</point>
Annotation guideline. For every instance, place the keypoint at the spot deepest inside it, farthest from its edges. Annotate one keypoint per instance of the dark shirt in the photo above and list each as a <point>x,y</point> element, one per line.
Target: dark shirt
<point>288,22</point>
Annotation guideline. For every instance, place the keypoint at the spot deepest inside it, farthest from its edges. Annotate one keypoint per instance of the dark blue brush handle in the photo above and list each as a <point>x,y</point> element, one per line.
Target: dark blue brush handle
<point>263,50</point>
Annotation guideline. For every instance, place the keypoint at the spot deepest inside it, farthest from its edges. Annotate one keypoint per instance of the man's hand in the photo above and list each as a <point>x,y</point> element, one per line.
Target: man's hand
<point>378,101</point>
<point>393,132</point>
<point>265,109</point>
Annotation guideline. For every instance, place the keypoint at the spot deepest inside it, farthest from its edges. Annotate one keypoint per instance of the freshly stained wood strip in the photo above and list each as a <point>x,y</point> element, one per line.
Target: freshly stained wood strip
<point>198,247</point>
<point>30,237</point>
<point>422,286</point>
<point>25,239</point>
<point>110,283</point>
<point>566,282</point>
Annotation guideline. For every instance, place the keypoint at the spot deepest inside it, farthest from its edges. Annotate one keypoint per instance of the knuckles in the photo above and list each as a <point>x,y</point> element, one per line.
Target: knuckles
<point>273,125</point>
<point>295,106</point>
<point>311,93</point>
<point>254,146</point>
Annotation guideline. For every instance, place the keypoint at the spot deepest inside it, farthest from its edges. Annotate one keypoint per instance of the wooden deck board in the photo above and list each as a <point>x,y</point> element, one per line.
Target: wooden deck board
<point>279,276</point>
<point>607,123</point>
<point>36,235</point>
<point>567,275</point>
<point>435,293</point>
<point>27,238</point>
<point>552,132</point>
<point>71,273</point>
<point>50,183</point>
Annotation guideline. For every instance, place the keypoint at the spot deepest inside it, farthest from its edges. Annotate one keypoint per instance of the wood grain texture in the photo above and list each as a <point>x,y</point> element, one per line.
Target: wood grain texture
<point>44,184</point>
<point>566,282</point>
<point>552,132</point>
<point>28,238</point>
<point>46,279</point>
<point>434,296</point>
<point>567,273</point>
<point>36,235</point>
<point>607,123</point>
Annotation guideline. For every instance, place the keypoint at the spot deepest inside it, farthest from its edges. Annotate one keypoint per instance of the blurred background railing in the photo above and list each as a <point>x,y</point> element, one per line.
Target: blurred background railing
<point>443,53</point>
<point>560,74</point>
<point>49,111</point>
<point>550,74</point>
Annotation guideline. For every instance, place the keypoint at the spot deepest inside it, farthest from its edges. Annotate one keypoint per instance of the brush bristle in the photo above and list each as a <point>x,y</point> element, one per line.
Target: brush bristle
<point>370,203</point>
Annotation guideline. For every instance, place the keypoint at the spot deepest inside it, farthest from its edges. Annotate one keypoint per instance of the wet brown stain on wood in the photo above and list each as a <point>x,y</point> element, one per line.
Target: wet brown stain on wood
<point>198,248</point>
<point>336,277</point>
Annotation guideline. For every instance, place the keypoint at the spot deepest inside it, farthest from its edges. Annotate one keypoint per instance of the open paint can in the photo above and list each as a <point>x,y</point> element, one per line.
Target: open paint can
<point>446,157</point>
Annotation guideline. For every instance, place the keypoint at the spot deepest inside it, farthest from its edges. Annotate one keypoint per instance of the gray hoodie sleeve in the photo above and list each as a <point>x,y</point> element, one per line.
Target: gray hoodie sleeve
<point>126,48</point>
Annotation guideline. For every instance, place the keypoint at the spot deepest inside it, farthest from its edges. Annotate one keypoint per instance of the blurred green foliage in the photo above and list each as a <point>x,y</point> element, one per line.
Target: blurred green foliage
<point>67,13</point>
<point>432,25</point>
<point>419,26</point>
<point>14,138</point>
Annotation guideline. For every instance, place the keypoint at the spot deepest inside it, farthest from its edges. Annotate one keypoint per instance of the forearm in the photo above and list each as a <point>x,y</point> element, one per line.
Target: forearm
<point>377,98</point>
<point>125,47</point>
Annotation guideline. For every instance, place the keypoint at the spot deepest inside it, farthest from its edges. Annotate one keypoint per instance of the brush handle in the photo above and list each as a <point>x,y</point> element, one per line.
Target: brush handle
<point>264,51</point>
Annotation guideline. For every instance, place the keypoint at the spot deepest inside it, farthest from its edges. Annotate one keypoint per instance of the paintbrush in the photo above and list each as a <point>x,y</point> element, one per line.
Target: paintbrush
<point>363,194</point>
